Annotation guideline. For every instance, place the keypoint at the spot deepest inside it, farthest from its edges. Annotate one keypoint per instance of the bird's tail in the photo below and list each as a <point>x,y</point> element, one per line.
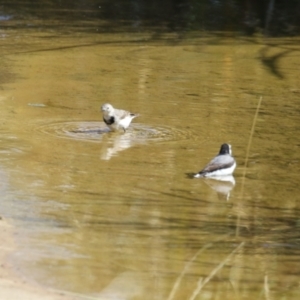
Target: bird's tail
<point>198,175</point>
<point>134,115</point>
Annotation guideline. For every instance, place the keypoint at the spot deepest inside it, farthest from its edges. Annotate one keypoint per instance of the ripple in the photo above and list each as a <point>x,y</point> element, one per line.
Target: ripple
<point>94,132</point>
<point>86,131</point>
<point>159,133</point>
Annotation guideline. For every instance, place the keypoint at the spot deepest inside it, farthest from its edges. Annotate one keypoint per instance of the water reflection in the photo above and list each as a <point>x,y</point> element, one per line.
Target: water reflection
<point>127,285</point>
<point>222,185</point>
<point>116,143</point>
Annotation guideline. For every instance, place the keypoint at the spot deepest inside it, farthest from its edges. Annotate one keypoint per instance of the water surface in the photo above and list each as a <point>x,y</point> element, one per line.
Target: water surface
<point>115,216</point>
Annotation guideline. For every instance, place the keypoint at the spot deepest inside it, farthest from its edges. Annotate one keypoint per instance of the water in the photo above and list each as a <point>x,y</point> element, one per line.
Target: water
<point>116,216</point>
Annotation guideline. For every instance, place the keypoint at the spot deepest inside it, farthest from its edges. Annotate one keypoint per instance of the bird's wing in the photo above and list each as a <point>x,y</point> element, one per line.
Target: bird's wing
<point>121,114</point>
<point>219,162</point>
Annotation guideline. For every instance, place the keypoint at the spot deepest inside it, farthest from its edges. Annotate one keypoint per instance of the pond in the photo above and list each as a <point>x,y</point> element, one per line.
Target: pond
<point>116,215</point>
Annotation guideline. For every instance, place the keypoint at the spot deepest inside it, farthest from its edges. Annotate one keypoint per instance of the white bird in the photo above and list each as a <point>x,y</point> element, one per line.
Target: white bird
<point>221,165</point>
<point>116,119</point>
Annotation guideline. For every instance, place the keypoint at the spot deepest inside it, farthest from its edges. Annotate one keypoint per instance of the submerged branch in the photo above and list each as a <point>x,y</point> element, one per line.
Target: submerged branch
<point>202,283</point>
<point>185,269</point>
<point>251,136</point>
<point>266,287</point>
<point>187,266</point>
<point>248,152</point>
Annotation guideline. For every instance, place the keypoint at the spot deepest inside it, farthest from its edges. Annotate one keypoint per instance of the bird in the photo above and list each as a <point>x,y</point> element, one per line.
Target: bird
<point>220,165</point>
<point>116,119</point>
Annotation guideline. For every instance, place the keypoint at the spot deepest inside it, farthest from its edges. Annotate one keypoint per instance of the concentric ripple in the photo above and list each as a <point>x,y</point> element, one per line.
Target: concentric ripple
<point>94,131</point>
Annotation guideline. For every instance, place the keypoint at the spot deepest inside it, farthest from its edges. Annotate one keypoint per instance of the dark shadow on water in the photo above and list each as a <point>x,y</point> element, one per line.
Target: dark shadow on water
<point>271,62</point>
<point>247,17</point>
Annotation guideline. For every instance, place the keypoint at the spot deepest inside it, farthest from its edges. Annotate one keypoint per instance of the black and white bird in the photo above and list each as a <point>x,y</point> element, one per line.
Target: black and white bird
<point>221,165</point>
<point>116,119</point>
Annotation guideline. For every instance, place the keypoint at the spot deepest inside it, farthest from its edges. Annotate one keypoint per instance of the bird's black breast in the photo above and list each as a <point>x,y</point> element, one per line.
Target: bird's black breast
<point>110,121</point>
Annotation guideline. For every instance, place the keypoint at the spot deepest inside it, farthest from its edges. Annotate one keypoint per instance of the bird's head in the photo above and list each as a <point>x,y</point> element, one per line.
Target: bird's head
<point>107,108</point>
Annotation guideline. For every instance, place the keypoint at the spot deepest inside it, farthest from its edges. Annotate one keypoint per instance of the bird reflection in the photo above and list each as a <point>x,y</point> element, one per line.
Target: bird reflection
<point>115,143</point>
<point>127,285</point>
<point>222,185</point>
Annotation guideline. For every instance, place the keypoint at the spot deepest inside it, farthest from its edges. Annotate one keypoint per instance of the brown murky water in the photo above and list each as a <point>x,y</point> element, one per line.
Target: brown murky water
<point>115,216</point>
